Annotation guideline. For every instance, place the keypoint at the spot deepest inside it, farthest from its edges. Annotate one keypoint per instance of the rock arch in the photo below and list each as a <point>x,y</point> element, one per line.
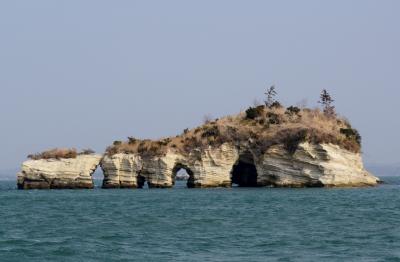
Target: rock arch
<point>175,170</point>
<point>244,172</point>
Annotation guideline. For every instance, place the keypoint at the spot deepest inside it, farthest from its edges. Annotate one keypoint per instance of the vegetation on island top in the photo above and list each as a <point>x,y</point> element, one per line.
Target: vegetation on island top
<point>58,153</point>
<point>260,127</point>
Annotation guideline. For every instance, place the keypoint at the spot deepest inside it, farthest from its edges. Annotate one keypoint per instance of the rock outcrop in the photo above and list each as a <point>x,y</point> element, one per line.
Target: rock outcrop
<point>311,165</point>
<point>206,168</point>
<point>58,173</point>
<point>264,146</point>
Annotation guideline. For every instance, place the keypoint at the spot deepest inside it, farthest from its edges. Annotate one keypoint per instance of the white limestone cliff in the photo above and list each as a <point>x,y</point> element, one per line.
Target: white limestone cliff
<point>313,165</point>
<point>310,166</point>
<point>58,173</point>
<point>206,168</point>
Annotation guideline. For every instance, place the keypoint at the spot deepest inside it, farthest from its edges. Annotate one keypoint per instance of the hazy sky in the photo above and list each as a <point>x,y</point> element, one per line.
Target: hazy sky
<point>84,73</point>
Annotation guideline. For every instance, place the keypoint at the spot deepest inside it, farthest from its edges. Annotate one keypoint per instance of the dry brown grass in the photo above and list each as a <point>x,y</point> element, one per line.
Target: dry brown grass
<point>58,153</point>
<point>270,126</point>
<point>55,153</point>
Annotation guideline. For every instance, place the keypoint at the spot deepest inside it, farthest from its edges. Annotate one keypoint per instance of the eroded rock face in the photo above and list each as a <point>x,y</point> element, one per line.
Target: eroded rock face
<point>207,168</point>
<point>311,165</point>
<point>58,173</point>
<point>121,171</point>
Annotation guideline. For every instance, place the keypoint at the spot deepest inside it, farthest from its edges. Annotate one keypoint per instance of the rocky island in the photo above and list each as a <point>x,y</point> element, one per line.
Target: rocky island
<point>267,145</point>
<point>58,169</point>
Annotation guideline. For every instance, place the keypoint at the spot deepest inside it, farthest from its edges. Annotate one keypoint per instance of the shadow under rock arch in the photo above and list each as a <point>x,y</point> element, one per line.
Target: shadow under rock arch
<point>141,182</point>
<point>244,171</point>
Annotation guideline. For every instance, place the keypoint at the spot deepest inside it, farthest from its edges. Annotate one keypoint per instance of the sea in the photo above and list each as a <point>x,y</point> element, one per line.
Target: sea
<point>219,224</point>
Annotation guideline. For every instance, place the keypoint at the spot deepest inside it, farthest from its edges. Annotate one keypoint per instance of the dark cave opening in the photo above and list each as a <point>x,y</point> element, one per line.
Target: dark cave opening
<point>141,182</point>
<point>244,172</point>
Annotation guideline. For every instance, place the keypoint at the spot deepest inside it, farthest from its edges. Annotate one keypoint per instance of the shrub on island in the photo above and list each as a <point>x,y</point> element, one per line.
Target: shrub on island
<point>59,153</point>
<point>259,127</point>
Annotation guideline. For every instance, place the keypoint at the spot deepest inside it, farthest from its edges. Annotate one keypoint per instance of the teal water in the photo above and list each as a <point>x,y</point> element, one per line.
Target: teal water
<point>238,224</point>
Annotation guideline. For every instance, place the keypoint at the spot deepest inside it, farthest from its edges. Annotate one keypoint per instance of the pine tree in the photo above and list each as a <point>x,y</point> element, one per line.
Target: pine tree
<point>271,93</point>
<point>326,101</point>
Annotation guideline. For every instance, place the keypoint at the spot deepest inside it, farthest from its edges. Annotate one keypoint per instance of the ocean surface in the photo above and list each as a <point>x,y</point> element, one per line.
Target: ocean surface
<point>180,224</point>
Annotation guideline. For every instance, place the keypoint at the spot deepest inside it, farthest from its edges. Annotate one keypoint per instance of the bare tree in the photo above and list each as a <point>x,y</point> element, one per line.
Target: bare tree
<point>326,101</point>
<point>271,93</point>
